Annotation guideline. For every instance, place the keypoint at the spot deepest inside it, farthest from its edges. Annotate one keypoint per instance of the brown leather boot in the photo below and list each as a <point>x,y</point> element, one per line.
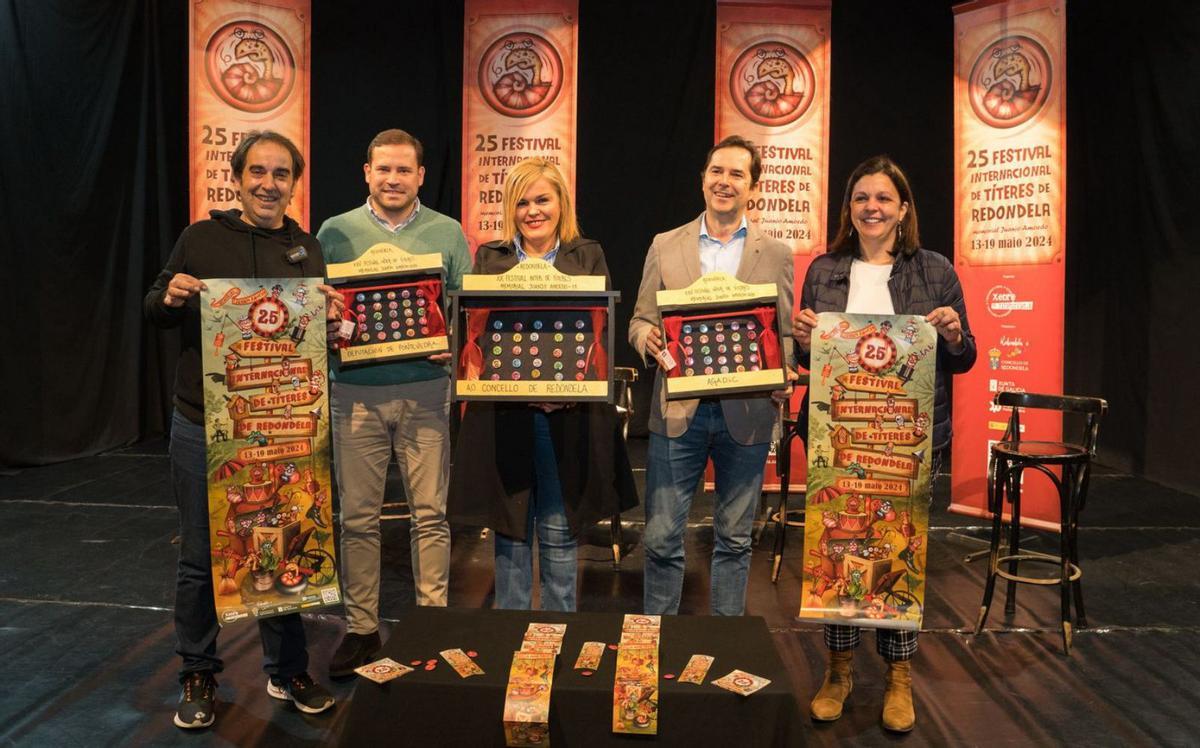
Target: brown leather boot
<point>839,682</point>
<point>898,713</point>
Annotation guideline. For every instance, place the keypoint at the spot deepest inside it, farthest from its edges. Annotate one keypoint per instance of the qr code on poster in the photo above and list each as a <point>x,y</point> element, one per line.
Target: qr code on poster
<point>329,595</point>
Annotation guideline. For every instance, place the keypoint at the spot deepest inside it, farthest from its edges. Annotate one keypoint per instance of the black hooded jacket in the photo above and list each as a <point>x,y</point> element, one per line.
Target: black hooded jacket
<point>918,284</point>
<point>224,246</point>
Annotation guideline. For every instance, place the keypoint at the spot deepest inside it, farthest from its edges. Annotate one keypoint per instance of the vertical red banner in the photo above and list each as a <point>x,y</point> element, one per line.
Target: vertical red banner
<point>519,76</point>
<point>248,69</point>
<point>772,86</point>
<point>1010,230</point>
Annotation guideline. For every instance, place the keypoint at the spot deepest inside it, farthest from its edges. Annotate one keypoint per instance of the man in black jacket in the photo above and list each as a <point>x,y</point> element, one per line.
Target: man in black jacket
<point>258,241</point>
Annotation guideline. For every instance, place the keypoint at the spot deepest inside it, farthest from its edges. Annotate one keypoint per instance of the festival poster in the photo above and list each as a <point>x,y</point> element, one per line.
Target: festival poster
<point>871,432</point>
<point>772,86</point>
<point>248,69</point>
<point>266,415</point>
<point>1010,232</point>
<point>519,76</point>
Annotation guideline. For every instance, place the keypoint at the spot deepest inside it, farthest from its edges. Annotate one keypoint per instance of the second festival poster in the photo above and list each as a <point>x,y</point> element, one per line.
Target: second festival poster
<point>870,451</point>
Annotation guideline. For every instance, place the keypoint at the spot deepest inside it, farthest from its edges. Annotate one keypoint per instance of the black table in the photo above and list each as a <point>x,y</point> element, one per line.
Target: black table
<point>440,708</point>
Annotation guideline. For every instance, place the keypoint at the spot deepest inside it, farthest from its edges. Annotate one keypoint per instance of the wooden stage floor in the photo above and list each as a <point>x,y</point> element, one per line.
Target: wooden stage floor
<point>87,644</point>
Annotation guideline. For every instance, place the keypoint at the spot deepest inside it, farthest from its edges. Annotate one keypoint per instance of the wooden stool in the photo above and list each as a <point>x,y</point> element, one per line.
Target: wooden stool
<point>791,429</point>
<point>623,378</point>
<point>1010,457</point>
<point>783,517</point>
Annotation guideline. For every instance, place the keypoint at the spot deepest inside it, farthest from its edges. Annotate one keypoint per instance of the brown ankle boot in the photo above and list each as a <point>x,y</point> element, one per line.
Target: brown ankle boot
<point>839,682</point>
<point>898,713</point>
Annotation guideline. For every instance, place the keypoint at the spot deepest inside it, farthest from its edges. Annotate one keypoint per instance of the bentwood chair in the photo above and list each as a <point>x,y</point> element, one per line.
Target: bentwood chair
<point>1010,458</point>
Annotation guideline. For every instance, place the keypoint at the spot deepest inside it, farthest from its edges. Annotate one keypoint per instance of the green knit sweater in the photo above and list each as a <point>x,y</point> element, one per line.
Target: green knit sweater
<point>343,238</point>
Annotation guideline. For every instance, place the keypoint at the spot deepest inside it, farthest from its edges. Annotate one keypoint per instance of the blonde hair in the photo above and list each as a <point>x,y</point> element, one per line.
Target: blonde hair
<point>519,180</point>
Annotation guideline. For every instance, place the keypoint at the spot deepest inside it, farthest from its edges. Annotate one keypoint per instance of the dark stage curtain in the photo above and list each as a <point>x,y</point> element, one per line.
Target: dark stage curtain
<point>93,147</point>
<point>1133,229</point>
<point>92,190</point>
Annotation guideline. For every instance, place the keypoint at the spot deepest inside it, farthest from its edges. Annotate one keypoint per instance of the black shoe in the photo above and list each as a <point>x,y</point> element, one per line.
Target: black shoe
<point>196,702</point>
<point>354,651</point>
<point>309,697</point>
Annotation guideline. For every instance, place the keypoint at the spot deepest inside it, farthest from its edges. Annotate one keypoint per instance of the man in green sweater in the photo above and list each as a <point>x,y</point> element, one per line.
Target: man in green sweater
<point>400,408</point>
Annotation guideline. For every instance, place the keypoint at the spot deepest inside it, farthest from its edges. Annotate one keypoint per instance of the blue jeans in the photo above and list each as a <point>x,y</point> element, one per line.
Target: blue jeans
<point>285,651</point>
<point>673,470</point>
<point>556,545</point>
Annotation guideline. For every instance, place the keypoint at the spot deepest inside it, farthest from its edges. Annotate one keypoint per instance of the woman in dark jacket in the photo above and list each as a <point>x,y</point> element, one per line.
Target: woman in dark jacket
<point>546,470</point>
<point>876,266</point>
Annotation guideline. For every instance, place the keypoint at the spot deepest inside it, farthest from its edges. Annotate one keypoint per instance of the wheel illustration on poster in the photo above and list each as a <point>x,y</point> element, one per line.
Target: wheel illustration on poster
<point>520,75</point>
<point>1010,81</point>
<point>250,66</point>
<point>771,83</point>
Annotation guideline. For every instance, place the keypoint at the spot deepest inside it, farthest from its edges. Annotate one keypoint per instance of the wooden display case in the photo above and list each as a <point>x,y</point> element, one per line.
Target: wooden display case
<point>395,306</point>
<point>533,334</point>
<point>721,337</point>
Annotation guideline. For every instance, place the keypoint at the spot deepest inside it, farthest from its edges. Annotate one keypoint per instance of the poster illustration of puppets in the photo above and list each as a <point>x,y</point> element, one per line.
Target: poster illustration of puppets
<point>870,452</point>
<point>266,417</point>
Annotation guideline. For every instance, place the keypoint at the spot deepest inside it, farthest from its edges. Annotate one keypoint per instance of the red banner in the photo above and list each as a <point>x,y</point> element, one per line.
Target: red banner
<point>248,70</point>
<point>772,86</point>
<point>519,76</point>
<point>1010,230</point>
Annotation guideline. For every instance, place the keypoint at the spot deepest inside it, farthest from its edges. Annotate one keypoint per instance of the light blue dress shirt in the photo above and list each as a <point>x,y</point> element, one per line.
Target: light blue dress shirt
<point>522,255</point>
<point>725,257</point>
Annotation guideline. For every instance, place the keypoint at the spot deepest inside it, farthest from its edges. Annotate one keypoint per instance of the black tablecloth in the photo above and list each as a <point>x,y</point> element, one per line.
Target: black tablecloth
<point>440,708</point>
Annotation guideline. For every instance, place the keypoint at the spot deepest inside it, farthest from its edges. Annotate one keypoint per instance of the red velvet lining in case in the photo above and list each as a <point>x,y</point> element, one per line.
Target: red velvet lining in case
<point>431,288</point>
<point>470,359</point>
<point>768,340</point>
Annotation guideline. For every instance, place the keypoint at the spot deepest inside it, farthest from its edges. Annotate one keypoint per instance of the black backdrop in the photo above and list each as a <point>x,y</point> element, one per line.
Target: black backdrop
<point>93,99</point>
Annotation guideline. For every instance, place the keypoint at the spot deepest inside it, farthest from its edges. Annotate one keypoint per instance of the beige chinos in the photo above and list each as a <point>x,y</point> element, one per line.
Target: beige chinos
<point>371,424</point>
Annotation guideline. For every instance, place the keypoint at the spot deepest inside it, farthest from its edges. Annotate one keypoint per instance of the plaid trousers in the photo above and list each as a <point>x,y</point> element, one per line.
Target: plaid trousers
<point>892,644</point>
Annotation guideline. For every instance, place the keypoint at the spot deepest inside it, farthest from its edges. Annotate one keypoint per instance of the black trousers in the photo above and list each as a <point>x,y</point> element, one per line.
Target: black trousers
<point>285,651</point>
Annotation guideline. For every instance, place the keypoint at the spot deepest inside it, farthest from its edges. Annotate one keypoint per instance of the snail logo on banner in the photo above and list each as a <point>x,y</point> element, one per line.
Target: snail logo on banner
<point>1010,81</point>
<point>772,83</point>
<point>250,66</point>
<point>520,75</point>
